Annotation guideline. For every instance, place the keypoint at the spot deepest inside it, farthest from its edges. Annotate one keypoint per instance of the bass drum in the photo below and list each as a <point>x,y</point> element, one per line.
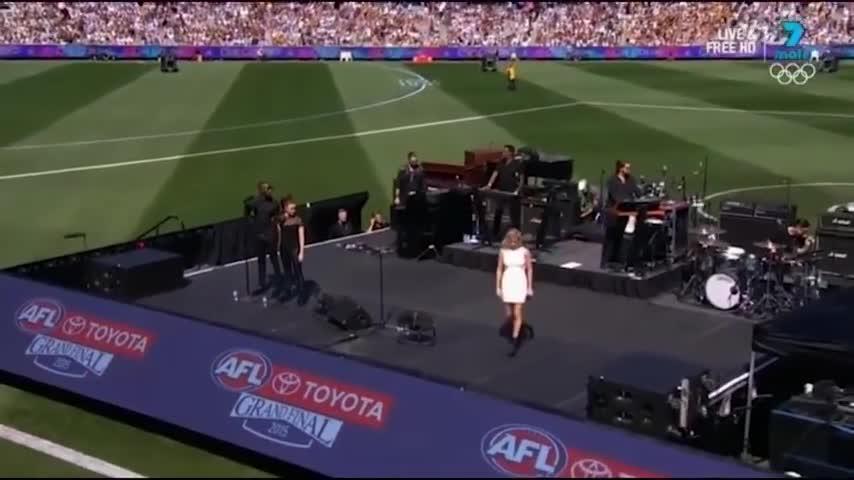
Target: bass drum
<point>722,291</point>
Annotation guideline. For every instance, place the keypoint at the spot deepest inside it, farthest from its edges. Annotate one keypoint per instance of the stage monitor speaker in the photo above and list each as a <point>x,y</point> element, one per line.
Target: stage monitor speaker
<point>344,312</point>
<point>641,393</point>
<point>136,273</point>
<point>812,443</point>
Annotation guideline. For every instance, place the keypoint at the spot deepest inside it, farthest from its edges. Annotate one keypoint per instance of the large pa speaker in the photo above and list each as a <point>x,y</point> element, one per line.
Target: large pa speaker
<point>344,312</point>
<point>135,274</point>
<point>641,393</point>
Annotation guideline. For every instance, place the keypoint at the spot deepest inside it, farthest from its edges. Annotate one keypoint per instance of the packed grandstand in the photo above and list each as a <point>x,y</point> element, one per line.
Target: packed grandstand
<point>412,23</point>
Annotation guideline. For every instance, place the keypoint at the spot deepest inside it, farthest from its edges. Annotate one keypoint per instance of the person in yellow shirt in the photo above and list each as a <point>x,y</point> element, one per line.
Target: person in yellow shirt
<point>511,73</point>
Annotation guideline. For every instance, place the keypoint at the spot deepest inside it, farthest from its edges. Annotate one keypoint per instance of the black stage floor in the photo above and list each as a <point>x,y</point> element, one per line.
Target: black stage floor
<point>573,263</point>
<point>578,332</point>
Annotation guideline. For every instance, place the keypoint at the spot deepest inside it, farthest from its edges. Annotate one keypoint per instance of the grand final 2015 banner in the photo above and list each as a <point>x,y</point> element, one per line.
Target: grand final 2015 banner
<point>333,415</point>
<point>694,52</point>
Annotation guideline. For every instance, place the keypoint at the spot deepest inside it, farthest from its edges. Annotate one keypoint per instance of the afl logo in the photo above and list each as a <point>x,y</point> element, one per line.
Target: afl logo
<point>241,370</point>
<point>524,451</point>
<point>40,315</point>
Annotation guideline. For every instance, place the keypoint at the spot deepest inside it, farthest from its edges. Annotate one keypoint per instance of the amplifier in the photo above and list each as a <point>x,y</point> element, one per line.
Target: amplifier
<point>749,223</point>
<point>734,207</point>
<point>839,252</point>
<point>811,443</point>
<point>784,213</point>
<point>640,392</point>
<point>135,273</point>
<point>842,223</point>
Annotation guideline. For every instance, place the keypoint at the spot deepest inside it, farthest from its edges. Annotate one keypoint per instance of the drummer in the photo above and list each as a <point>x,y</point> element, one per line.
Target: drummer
<point>796,238</point>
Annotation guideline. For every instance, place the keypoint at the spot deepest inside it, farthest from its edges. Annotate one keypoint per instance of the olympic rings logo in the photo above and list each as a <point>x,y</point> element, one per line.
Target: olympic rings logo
<point>792,73</point>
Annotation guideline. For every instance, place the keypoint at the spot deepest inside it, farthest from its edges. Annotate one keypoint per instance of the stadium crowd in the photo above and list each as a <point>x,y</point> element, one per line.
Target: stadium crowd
<point>412,23</point>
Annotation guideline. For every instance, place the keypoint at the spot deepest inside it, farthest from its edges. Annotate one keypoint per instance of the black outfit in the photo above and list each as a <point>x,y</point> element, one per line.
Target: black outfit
<point>264,211</point>
<point>792,243</point>
<point>509,180</point>
<point>412,210</point>
<point>615,225</point>
<point>289,251</point>
<point>410,183</point>
<point>340,230</point>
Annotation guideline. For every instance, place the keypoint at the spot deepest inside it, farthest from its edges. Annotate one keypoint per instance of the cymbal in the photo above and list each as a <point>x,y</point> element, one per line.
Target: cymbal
<point>714,244</point>
<point>710,230</point>
<point>769,245</point>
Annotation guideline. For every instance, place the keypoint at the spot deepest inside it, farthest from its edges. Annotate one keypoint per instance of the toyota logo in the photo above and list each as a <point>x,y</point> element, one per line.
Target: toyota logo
<point>792,73</point>
<point>589,468</point>
<point>286,383</point>
<point>74,326</point>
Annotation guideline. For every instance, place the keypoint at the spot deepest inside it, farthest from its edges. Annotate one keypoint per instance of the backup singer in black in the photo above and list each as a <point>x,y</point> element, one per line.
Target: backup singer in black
<point>507,177</point>
<point>410,181</point>
<point>620,187</point>
<point>292,247</point>
<point>264,209</point>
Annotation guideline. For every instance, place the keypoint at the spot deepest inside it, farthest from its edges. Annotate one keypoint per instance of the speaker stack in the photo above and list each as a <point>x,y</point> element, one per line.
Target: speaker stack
<point>647,394</point>
<point>836,238</point>
<point>747,223</point>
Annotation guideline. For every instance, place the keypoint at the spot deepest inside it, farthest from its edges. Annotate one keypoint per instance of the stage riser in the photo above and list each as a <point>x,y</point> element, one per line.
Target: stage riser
<point>618,284</point>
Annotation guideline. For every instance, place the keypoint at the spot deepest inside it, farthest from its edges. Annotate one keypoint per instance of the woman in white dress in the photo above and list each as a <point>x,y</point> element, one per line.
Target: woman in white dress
<point>514,282</point>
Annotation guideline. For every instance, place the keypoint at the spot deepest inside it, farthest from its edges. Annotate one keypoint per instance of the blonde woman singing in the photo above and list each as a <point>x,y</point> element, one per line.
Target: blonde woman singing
<point>514,279</point>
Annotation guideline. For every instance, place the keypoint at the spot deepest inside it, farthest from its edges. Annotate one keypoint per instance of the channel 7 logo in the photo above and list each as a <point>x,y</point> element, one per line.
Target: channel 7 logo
<point>792,64</point>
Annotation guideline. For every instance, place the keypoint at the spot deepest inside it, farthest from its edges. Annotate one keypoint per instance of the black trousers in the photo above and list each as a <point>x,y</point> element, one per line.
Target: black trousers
<point>511,84</point>
<point>515,216</point>
<point>612,248</point>
<point>293,270</point>
<point>264,247</point>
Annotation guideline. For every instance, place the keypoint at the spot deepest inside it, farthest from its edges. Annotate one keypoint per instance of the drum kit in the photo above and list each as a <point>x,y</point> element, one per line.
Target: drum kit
<point>758,286</point>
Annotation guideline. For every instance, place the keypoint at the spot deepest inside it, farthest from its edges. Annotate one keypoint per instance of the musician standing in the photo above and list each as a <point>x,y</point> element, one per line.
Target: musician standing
<point>410,181</point>
<point>292,246</point>
<point>507,177</point>
<point>620,187</point>
<point>264,209</point>
<point>410,200</point>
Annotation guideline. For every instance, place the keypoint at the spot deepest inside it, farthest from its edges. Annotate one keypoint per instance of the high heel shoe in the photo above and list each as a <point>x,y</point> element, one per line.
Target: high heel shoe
<point>517,344</point>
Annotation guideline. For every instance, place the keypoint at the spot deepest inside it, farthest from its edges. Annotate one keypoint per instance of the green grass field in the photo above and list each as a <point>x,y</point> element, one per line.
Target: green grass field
<point>111,148</point>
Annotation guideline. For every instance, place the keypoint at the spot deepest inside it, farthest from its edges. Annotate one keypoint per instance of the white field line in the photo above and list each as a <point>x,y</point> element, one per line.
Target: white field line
<point>416,126</point>
<point>301,141</point>
<point>423,83</point>
<point>759,188</point>
<point>65,454</point>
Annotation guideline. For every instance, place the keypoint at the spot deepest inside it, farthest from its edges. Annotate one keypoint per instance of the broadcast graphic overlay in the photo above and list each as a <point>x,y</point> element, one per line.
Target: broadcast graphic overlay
<point>793,64</point>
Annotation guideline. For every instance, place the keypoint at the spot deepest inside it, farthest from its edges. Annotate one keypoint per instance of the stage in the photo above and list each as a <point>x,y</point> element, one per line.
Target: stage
<point>572,263</point>
<point>578,331</point>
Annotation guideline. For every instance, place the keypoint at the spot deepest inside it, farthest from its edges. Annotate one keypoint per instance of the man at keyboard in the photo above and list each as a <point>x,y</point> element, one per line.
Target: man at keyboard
<point>620,187</point>
<point>507,177</point>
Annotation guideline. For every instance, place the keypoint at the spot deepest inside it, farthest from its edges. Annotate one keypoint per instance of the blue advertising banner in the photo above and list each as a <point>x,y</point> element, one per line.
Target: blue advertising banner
<point>332,415</point>
<point>757,51</point>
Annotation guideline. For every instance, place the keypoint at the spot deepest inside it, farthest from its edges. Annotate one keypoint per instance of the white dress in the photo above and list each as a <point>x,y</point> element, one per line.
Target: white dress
<point>514,280</point>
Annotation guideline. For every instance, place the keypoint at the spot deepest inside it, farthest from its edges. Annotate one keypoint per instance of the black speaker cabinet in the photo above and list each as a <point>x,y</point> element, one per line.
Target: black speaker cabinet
<point>135,273</point>
<point>640,393</point>
<point>344,312</point>
<point>802,439</point>
<point>839,253</point>
<point>746,223</point>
